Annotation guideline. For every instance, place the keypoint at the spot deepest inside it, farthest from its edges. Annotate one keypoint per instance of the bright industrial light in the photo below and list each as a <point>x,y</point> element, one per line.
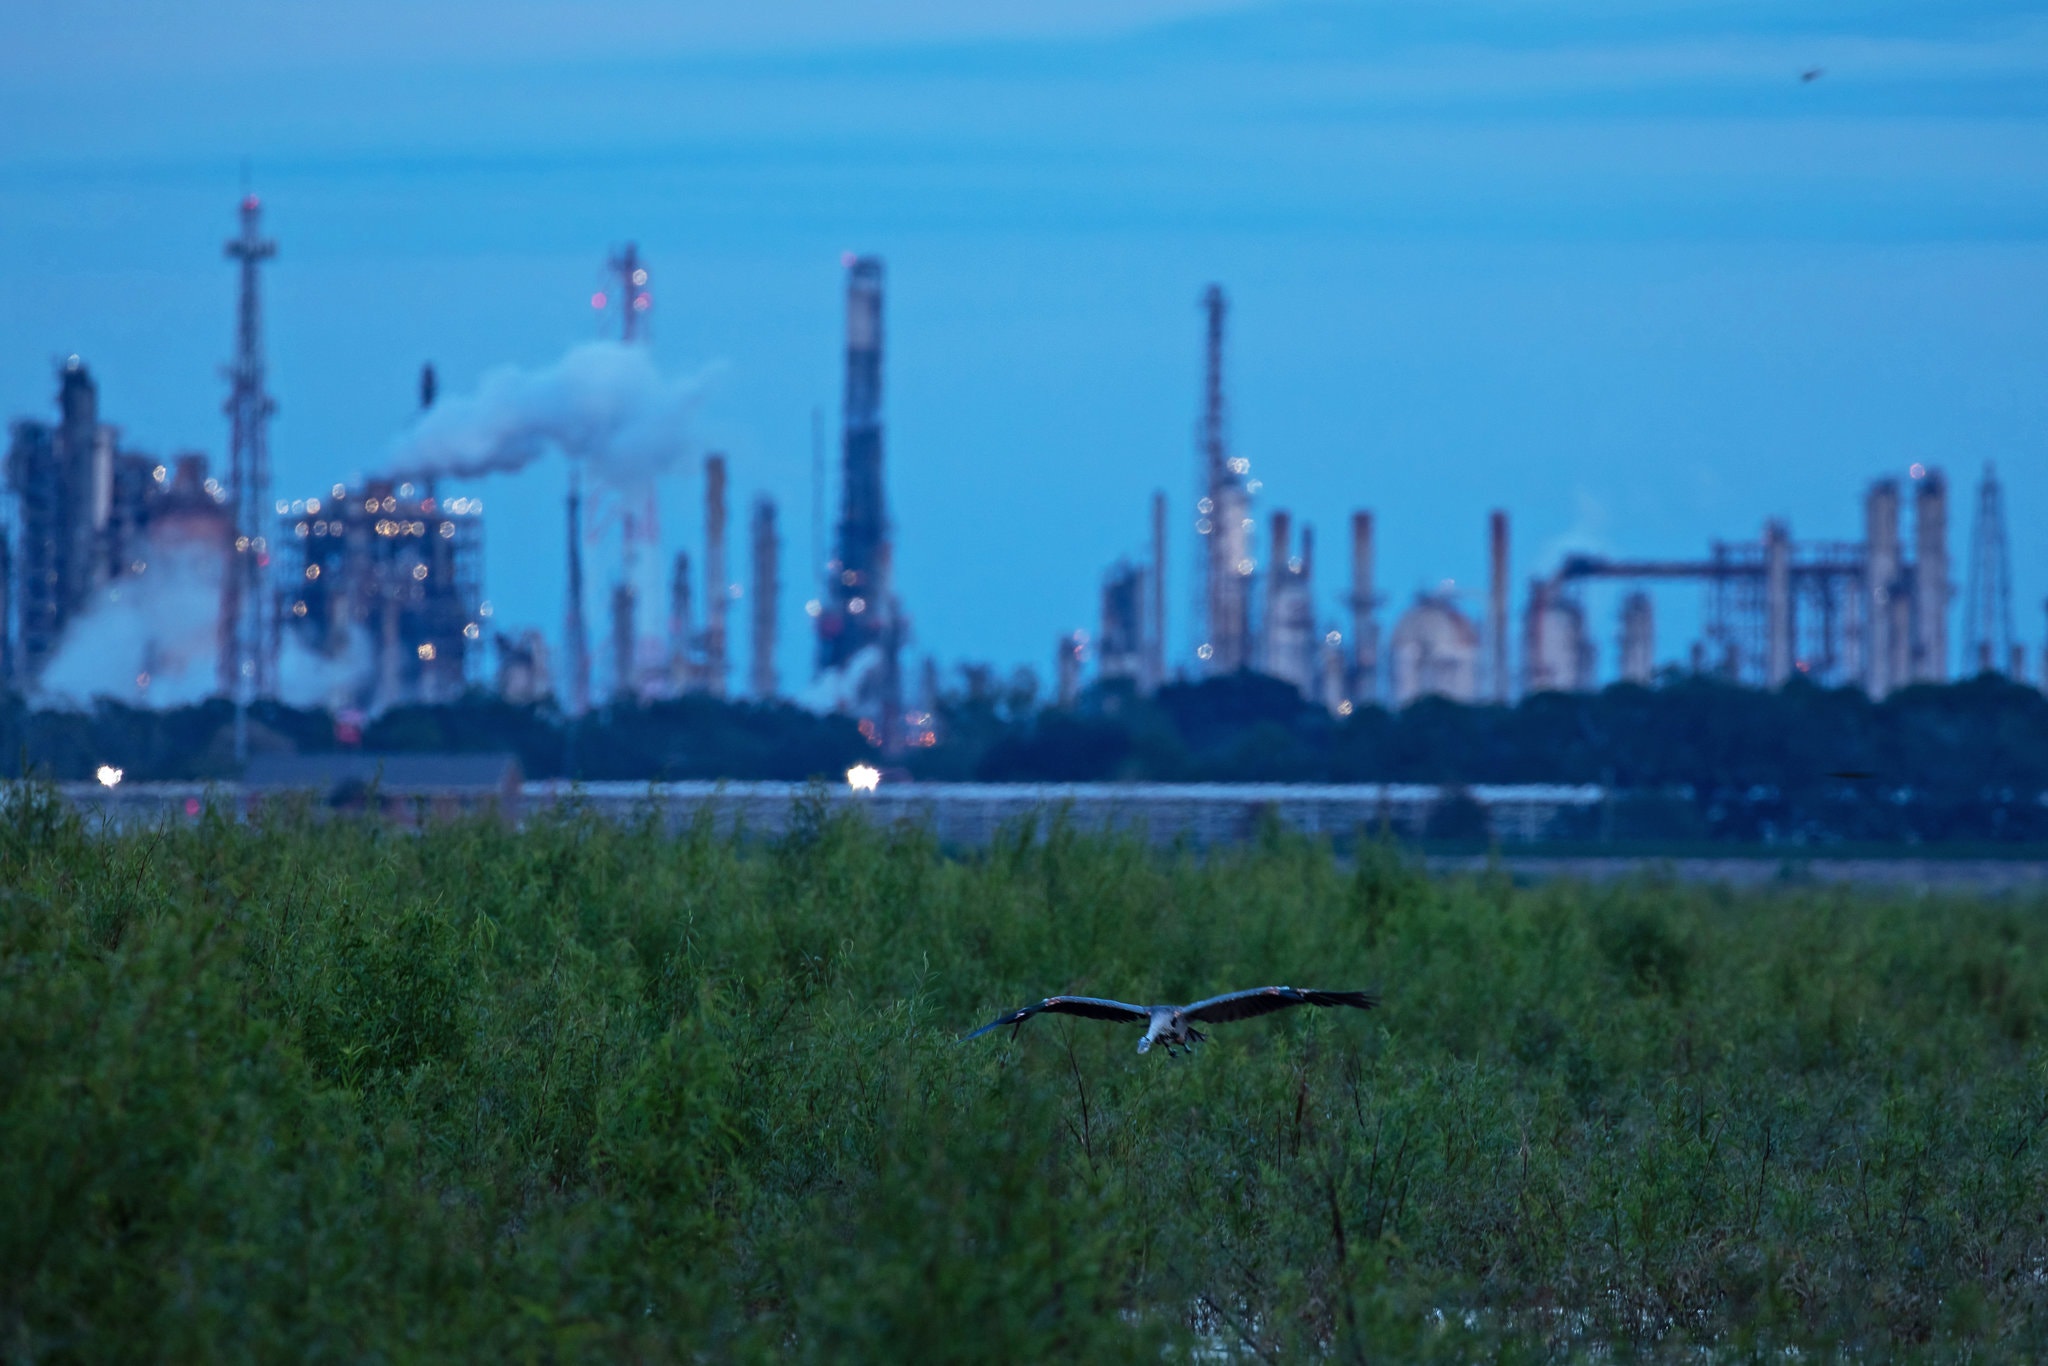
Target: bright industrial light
<point>1344,707</point>
<point>1917,470</point>
<point>108,775</point>
<point>813,607</point>
<point>863,777</point>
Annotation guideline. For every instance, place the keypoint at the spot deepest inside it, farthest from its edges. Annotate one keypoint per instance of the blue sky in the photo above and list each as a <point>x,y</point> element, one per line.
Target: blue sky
<point>1613,267</point>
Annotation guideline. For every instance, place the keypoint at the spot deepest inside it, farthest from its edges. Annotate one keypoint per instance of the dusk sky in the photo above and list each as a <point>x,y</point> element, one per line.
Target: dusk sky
<point>1614,267</point>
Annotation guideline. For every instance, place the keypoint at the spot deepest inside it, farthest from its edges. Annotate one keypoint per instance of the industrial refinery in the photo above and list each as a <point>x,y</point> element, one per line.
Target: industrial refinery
<point>1873,613</point>
<point>367,593</point>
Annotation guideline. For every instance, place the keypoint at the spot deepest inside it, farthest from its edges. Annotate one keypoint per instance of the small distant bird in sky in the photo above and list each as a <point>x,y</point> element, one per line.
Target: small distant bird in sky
<point>1174,1026</point>
<point>1812,74</point>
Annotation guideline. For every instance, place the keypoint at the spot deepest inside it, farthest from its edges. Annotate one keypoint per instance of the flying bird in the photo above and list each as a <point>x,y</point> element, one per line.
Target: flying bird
<point>1812,74</point>
<point>1174,1026</point>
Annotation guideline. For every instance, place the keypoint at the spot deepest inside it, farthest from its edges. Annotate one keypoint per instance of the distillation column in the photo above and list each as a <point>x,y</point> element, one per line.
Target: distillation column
<point>1497,606</point>
<point>761,676</point>
<point>1931,591</point>
<point>717,588</point>
<point>1778,623</point>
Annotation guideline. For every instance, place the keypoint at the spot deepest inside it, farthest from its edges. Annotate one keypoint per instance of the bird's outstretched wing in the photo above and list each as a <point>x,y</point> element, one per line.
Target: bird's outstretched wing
<point>1242,1005</point>
<point>1093,1007</point>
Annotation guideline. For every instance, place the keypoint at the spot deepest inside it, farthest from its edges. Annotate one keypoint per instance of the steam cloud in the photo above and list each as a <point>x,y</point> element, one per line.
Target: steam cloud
<point>603,403</point>
<point>162,624</point>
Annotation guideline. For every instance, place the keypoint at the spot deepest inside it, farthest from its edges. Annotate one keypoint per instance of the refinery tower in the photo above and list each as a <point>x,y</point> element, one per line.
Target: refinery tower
<point>859,618</point>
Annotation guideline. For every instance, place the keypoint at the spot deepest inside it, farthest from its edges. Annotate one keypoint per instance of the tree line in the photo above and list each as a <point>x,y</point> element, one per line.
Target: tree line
<point>1694,756</point>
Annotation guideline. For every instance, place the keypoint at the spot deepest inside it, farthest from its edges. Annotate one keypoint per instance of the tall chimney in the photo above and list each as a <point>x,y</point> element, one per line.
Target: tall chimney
<point>717,594</point>
<point>1155,639</point>
<point>622,641</point>
<point>1226,513</point>
<point>1279,541</point>
<point>761,675</point>
<point>1497,605</point>
<point>1778,624</point>
<point>681,673</point>
<point>1067,667</point>
<point>1638,638</point>
<point>1364,627</point>
<point>578,642</point>
<point>1930,579</point>
<point>1881,583</point>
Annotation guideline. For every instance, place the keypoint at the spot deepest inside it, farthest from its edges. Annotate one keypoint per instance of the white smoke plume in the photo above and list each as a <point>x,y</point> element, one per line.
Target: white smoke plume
<point>149,640</point>
<point>309,679</point>
<point>603,403</point>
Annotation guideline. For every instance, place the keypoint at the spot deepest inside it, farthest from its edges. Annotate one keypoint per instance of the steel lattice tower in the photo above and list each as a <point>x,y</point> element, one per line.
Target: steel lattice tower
<point>249,646</point>
<point>1987,611</point>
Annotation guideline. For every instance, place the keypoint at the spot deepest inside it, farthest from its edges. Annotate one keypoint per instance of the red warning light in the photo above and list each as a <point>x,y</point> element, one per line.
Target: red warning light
<point>642,301</point>
<point>597,300</point>
<point>252,203</point>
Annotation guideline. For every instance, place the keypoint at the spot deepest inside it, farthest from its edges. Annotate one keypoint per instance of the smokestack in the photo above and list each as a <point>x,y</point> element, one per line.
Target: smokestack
<point>1638,639</point>
<point>1364,628</point>
<point>622,641</point>
<point>1930,579</point>
<point>578,642</point>
<point>716,586</point>
<point>429,386</point>
<point>1778,625</point>
<point>1332,680</point>
<point>1155,643</point>
<point>1880,586</point>
<point>682,677</point>
<point>761,676</point>
<point>1225,515</point>
<point>1279,538</point>
<point>859,603</point>
<point>1067,666</point>
<point>1497,605</point>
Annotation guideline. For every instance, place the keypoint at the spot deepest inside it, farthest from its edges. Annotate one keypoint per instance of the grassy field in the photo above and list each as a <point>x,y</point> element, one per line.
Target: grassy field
<point>345,1093</point>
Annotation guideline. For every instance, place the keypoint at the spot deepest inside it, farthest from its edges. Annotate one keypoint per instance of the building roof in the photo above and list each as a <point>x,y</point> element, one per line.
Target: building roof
<point>392,773</point>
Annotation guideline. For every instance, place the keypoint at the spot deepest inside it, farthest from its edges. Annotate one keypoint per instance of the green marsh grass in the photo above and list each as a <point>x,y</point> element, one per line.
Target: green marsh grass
<point>342,1092</point>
